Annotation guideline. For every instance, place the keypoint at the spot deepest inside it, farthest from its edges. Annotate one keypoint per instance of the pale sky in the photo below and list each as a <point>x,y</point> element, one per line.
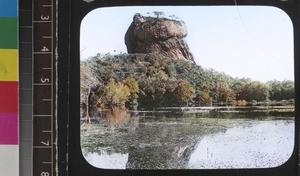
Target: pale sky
<point>243,41</point>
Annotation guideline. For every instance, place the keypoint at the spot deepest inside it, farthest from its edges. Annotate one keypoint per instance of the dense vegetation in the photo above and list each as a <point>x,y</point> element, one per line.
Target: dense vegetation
<point>150,81</point>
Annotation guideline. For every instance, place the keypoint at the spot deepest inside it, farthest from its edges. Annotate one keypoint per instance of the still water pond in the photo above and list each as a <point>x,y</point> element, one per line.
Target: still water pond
<point>165,140</point>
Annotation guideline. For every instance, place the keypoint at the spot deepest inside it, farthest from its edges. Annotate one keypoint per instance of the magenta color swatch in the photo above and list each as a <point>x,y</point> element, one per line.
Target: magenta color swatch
<point>9,129</point>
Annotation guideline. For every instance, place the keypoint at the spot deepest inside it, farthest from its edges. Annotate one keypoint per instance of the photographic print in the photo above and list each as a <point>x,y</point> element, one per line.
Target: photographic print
<point>187,87</point>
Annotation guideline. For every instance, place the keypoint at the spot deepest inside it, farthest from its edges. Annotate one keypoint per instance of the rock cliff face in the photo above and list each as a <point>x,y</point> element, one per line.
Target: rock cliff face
<point>160,36</point>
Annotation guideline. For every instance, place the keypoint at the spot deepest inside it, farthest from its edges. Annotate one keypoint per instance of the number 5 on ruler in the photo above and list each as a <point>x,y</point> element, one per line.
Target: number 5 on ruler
<point>45,80</point>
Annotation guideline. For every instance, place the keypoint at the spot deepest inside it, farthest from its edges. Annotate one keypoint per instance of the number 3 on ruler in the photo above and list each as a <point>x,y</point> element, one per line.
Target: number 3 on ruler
<point>45,174</point>
<point>44,17</point>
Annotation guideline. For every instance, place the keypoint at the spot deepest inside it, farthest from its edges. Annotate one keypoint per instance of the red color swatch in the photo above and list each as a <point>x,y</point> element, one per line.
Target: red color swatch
<point>8,97</point>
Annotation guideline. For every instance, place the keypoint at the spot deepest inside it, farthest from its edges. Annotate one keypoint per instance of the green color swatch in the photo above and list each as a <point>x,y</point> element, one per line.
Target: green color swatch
<point>9,33</point>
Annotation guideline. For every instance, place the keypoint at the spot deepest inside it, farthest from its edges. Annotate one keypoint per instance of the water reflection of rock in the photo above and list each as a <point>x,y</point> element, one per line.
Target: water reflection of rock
<point>160,157</point>
<point>152,140</point>
<point>160,145</point>
<point>175,143</point>
<point>164,143</point>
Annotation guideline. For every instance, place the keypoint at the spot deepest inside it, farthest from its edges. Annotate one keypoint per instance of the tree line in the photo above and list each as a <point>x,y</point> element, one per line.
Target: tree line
<point>149,81</point>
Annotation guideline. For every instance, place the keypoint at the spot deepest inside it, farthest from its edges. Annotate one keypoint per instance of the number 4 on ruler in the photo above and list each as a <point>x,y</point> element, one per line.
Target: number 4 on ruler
<point>44,49</point>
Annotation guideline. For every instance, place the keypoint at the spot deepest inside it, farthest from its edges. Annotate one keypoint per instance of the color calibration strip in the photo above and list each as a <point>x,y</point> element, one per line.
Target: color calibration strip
<point>9,138</point>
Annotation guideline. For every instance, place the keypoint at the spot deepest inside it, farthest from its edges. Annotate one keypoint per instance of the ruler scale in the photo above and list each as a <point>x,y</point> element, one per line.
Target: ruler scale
<point>43,116</point>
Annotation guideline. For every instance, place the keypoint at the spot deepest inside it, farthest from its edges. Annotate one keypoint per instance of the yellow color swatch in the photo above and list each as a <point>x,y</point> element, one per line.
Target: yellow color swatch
<point>8,65</point>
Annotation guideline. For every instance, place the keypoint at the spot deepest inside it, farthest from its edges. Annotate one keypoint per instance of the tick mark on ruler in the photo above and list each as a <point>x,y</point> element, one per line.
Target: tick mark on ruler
<point>42,84</point>
<point>47,37</point>
<point>47,99</point>
<point>47,5</point>
<point>47,131</point>
<point>47,68</point>
<point>42,21</point>
<point>42,52</point>
<point>47,162</point>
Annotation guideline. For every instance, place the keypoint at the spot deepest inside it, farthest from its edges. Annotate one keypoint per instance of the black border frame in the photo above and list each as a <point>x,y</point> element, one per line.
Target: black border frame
<point>70,159</point>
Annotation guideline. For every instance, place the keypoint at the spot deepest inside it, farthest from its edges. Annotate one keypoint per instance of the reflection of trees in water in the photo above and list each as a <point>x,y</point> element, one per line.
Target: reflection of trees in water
<point>168,144</point>
<point>117,116</point>
<point>151,142</point>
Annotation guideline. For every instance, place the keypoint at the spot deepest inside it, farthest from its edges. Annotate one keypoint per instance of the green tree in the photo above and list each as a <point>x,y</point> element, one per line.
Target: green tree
<point>241,89</point>
<point>221,93</point>
<point>158,14</point>
<point>88,84</point>
<point>154,89</point>
<point>248,90</point>
<point>281,90</point>
<point>184,93</point>
<point>133,86</point>
<point>151,80</point>
<point>115,94</point>
<point>288,90</point>
<point>203,99</point>
<point>257,91</point>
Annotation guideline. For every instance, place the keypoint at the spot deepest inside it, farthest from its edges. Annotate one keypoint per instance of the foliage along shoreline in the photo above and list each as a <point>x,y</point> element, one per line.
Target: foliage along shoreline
<point>150,81</point>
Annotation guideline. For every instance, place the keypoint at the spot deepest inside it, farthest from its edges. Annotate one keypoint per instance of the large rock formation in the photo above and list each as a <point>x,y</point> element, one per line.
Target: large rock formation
<point>161,36</point>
